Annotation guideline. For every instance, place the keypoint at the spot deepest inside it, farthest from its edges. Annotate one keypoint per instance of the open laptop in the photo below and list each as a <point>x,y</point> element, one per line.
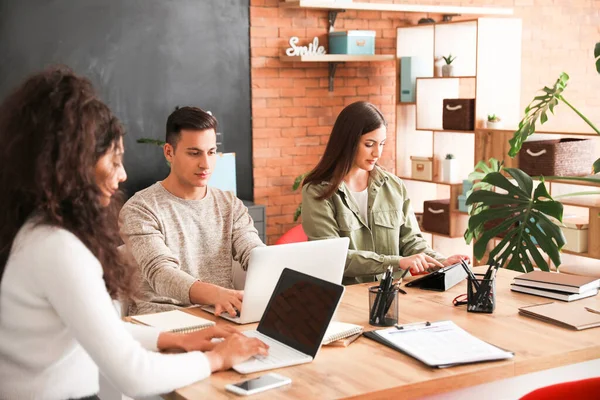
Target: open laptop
<point>324,259</point>
<point>294,322</point>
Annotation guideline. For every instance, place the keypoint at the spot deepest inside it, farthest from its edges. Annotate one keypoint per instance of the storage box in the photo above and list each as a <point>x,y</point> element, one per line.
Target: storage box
<point>576,233</point>
<point>352,42</point>
<point>462,203</point>
<point>410,69</point>
<point>467,185</point>
<point>436,216</point>
<point>458,114</point>
<point>558,157</point>
<point>422,168</point>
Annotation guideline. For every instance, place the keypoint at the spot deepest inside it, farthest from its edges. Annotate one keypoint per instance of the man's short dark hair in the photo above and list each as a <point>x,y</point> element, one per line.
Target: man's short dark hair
<point>188,118</point>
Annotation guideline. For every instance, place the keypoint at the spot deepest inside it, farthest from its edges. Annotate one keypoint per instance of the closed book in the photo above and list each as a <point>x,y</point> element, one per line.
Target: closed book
<point>556,281</point>
<point>340,330</point>
<point>553,294</point>
<point>565,315</point>
<point>174,321</point>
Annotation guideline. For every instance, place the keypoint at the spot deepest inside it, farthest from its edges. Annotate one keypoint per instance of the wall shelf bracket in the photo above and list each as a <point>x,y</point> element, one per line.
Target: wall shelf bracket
<point>332,16</point>
<point>332,68</point>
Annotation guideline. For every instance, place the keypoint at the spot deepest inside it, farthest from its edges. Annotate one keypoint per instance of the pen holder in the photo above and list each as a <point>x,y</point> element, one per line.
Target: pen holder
<point>481,294</point>
<point>383,307</point>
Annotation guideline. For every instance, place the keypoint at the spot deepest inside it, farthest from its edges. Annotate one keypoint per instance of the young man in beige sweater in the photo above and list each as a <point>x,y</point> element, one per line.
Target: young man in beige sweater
<point>183,234</point>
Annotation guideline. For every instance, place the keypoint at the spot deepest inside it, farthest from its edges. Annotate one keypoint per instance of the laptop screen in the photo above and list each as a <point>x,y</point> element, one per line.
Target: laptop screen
<point>300,310</point>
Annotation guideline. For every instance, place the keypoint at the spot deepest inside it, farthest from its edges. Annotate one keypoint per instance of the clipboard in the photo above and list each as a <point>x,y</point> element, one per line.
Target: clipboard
<point>428,343</point>
<point>440,280</point>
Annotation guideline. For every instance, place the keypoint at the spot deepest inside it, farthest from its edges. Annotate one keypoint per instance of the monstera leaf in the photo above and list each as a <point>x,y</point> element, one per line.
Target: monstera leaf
<point>525,220</point>
<point>597,56</point>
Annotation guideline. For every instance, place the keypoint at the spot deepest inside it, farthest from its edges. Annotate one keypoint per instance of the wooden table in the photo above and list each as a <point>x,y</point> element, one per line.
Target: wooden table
<point>367,369</point>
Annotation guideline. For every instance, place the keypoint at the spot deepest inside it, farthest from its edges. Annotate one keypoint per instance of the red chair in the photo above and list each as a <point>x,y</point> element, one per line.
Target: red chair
<point>580,390</point>
<point>294,235</point>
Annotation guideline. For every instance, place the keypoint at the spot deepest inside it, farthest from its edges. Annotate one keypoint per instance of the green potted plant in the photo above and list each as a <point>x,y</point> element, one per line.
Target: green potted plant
<point>450,169</point>
<point>526,214</point>
<point>448,68</point>
<point>493,122</point>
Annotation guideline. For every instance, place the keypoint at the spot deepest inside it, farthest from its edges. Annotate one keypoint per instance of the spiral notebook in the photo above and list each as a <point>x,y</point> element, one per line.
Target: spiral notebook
<point>174,321</point>
<point>340,330</point>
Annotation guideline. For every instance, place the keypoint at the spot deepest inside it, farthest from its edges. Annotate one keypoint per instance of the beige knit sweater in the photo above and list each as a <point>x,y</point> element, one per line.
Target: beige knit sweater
<point>176,242</point>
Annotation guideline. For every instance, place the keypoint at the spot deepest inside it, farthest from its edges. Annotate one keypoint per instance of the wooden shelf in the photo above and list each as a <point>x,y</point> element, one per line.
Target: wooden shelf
<point>323,5</point>
<point>447,77</point>
<point>337,58</point>
<point>587,255</point>
<point>570,182</point>
<point>460,212</point>
<point>444,130</point>
<point>437,182</point>
<point>590,201</point>
<point>505,130</point>
<point>406,103</point>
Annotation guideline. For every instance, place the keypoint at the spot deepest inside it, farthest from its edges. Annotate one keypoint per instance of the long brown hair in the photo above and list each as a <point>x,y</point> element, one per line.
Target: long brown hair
<point>354,121</point>
<point>53,130</point>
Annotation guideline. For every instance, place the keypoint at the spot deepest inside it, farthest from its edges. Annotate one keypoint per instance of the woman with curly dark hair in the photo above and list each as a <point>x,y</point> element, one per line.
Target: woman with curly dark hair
<point>61,155</point>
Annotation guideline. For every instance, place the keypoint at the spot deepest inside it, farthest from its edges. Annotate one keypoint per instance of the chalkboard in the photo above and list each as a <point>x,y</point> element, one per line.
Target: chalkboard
<point>145,57</point>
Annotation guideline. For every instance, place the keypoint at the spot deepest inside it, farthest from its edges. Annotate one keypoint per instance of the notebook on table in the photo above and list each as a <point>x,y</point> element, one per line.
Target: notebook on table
<point>340,330</point>
<point>565,315</point>
<point>438,344</point>
<point>174,321</point>
<point>557,281</point>
<point>553,294</point>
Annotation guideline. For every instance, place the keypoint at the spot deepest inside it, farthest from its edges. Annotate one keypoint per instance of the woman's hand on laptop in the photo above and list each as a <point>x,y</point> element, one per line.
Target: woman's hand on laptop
<point>419,263</point>
<point>194,341</point>
<point>236,349</point>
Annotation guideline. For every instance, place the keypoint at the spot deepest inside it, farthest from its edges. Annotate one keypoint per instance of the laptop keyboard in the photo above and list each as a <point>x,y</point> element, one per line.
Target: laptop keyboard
<point>278,353</point>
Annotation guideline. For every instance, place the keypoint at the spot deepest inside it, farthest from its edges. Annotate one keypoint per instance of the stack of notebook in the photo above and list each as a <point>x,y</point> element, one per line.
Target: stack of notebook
<point>557,286</point>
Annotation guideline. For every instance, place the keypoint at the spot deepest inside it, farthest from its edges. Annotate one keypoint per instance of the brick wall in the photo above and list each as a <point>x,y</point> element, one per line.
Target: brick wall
<point>293,111</point>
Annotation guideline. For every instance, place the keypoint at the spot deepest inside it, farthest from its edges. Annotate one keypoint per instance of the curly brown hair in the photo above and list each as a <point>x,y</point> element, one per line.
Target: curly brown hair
<point>53,130</point>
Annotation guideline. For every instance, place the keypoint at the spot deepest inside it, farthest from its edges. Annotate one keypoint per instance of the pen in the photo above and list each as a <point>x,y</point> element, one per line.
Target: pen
<point>592,310</point>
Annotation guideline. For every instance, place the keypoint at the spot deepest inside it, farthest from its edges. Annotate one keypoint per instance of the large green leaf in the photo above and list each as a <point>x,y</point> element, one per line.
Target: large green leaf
<point>298,181</point>
<point>596,166</point>
<point>538,110</point>
<point>597,56</point>
<point>524,218</point>
<point>152,141</point>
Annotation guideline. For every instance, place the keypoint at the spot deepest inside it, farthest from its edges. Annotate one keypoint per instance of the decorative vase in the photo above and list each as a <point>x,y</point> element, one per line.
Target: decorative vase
<point>450,170</point>
<point>448,70</point>
<point>493,124</point>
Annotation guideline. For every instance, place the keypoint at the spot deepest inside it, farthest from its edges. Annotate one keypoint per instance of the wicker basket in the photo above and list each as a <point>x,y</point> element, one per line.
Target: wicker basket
<point>436,216</point>
<point>459,114</point>
<point>559,157</point>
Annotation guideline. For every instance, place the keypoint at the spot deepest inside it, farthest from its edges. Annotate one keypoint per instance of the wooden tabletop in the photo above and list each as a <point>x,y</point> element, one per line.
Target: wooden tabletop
<point>370,370</point>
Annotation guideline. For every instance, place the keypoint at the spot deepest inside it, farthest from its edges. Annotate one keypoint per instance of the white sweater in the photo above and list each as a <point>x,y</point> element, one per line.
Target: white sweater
<point>58,326</point>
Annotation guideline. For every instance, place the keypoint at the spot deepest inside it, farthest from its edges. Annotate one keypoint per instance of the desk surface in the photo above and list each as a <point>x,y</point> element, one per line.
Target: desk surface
<point>366,369</point>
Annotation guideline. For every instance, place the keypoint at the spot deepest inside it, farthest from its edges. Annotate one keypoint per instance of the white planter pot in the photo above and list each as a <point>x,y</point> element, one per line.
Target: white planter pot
<point>450,170</point>
<point>493,125</point>
<point>448,70</point>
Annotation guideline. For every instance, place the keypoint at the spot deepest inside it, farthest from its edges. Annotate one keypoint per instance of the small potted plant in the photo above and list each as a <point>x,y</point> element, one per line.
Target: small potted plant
<point>450,171</point>
<point>448,69</point>
<point>493,122</point>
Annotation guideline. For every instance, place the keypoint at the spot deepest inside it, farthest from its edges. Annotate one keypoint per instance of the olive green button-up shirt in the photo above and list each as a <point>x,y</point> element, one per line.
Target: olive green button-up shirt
<point>392,231</point>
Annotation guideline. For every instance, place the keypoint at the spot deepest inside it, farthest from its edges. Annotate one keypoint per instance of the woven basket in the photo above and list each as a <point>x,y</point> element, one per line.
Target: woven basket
<point>558,157</point>
<point>459,114</point>
<point>436,216</point>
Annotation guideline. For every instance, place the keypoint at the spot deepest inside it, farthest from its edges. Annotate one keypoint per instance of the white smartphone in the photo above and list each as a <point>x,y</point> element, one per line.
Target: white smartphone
<point>259,384</point>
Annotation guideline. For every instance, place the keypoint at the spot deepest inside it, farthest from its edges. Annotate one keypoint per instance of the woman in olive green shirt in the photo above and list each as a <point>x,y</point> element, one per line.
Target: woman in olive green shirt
<point>348,195</point>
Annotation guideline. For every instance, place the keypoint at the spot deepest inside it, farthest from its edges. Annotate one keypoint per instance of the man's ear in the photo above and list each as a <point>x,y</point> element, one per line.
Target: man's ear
<point>168,151</point>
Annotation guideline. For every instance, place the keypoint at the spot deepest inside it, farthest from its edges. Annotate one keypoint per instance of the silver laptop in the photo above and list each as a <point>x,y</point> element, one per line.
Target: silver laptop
<point>294,322</point>
<point>324,259</point>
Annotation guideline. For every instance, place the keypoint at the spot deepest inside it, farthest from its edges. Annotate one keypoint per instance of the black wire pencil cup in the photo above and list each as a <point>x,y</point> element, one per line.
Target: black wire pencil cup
<point>481,289</point>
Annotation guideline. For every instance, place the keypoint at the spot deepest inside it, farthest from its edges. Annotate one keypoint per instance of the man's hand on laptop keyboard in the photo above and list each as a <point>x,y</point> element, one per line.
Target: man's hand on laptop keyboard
<point>229,301</point>
<point>235,349</point>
